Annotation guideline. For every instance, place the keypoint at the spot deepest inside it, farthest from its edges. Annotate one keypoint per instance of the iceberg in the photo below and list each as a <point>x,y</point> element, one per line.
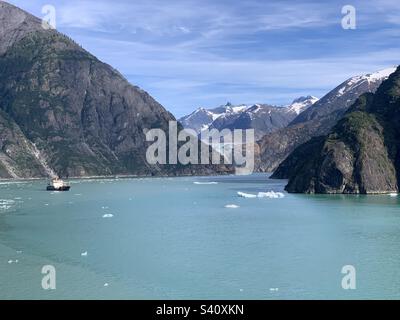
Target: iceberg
<point>231,206</point>
<point>197,182</point>
<point>246,195</point>
<point>6,204</point>
<point>271,194</point>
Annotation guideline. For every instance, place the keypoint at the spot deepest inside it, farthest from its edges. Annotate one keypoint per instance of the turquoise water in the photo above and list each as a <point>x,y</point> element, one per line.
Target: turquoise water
<point>170,238</point>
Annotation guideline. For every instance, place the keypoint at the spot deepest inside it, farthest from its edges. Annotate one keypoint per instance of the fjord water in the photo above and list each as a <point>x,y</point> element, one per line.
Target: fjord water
<point>172,238</point>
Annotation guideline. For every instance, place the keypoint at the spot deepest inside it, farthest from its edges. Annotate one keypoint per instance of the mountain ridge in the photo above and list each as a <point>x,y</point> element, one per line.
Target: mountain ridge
<point>264,118</point>
<point>359,155</point>
<point>317,120</point>
<point>66,112</point>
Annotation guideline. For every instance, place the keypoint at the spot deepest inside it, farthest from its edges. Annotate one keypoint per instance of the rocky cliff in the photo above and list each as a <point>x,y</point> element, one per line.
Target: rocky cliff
<point>360,154</point>
<point>65,112</point>
<point>316,120</point>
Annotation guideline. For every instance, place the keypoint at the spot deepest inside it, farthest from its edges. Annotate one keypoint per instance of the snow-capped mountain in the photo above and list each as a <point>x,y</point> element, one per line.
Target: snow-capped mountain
<point>318,119</point>
<point>371,78</point>
<point>340,98</point>
<point>263,118</point>
<point>202,118</point>
<point>301,104</point>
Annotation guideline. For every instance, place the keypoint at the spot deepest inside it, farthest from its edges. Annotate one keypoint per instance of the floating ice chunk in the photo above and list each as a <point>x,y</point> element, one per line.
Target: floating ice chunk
<point>198,182</point>
<point>84,254</point>
<point>231,206</point>
<point>12,261</point>
<point>246,195</point>
<point>4,207</point>
<point>273,289</point>
<point>271,194</point>
<point>393,194</point>
<point>108,215</point>
<point>6,202</point>
<point>106,284</point>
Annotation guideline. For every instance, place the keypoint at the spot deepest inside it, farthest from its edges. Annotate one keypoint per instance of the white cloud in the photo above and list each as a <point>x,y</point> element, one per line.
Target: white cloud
<point>248,51</point>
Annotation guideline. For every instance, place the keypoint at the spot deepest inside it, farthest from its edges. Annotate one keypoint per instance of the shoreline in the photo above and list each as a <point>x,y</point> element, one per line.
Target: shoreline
<point>115,177</point>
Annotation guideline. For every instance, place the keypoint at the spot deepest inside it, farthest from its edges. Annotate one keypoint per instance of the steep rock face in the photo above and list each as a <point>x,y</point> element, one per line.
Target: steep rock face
<point>79,111</point>
<point>360,155</point>
<point>15,24</point>
<point>79,116</point>
<point>275,147</point>
<point>17,154</point>
<point>316,120</point>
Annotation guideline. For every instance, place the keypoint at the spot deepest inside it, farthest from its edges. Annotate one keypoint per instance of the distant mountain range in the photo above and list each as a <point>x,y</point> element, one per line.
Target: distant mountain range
<point>263,118</point>
<point>361,154</point>
<point>316,120</point>
<point>280,129</point>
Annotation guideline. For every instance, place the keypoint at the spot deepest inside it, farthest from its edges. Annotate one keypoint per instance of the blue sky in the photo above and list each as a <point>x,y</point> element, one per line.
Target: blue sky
<point>189,54</point>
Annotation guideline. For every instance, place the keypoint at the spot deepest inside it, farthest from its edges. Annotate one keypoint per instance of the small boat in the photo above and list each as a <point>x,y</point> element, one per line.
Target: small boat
<point>57,185</point>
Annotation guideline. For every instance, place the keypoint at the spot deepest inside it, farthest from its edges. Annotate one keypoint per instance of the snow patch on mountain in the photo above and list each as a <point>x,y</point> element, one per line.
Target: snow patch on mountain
<point>382,74</point>
<point>356,81</point>
<point>301,104</point>
<point>233,116</point>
